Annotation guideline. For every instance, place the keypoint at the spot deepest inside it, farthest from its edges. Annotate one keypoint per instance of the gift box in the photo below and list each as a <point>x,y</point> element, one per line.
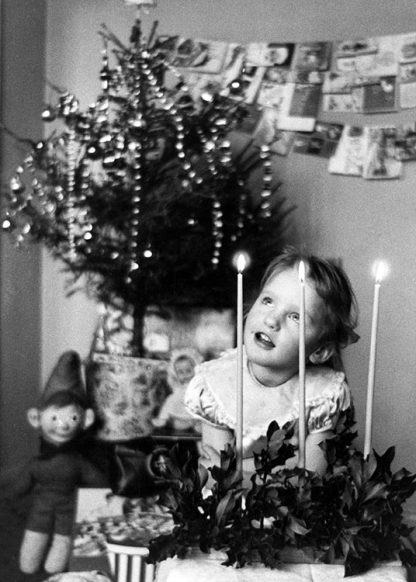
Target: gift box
<point>128,563</point>
<point>127,545</point>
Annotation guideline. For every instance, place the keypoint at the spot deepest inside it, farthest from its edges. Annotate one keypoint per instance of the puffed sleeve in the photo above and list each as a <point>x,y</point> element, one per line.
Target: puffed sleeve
<point>324,412</point>
<point>202,403</point>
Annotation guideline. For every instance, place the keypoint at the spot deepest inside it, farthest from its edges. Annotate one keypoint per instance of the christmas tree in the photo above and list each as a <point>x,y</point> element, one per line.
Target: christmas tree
<point>142,193</point>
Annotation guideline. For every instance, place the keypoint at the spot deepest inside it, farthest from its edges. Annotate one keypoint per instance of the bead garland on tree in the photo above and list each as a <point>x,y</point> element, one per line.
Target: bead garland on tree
<point>142,192</point>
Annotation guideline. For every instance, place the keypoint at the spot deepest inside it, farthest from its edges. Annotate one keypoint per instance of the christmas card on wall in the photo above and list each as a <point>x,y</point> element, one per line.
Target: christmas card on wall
<point>380,161</point>
<point>350,153</point>
<point>305,76</point>
<point>406,47</point>
<point>405,143</point>
<point>262,54</point>
<point>407,72</point>
<point>337,83</point>
<point>407,95</point>
<point>271,94</point>
<point>300,107</point>
<point>201,55</point>
<point>268,132</point>
<point>233,65</point>
<point>305,100</point>
<point>202,83</point>
<point>356,47</point>
<point>313,56</point>
<point>321,142</point>
<point>246,87</point>
<point>380,96</point>
<point>407,87</point>
<point>342,103</point>
<point>379,63</point>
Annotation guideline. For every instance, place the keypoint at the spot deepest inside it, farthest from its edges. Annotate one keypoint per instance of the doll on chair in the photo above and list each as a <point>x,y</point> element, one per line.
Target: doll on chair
<point>60,467</point>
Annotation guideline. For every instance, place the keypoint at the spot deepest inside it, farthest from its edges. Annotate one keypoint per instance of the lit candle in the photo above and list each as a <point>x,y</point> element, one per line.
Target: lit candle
<point>241,265</point>
<point>379,271</point>
<point>302,365</point>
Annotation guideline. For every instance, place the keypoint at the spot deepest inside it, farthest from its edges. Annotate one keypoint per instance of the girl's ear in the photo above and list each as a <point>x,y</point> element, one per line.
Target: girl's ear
<point>322,354</point>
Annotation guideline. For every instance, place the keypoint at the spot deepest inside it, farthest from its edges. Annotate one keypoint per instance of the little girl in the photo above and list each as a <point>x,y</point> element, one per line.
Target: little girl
<point>271,361</point>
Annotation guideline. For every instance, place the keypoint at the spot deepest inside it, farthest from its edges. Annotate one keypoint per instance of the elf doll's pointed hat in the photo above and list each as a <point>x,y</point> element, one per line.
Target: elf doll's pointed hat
<point>66,377</point>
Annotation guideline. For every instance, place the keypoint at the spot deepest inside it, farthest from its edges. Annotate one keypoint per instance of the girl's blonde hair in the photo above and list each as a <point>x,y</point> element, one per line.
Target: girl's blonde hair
<point>332,285</point>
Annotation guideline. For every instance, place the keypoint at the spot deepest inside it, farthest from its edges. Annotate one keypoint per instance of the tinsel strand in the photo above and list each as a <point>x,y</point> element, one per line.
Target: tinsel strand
<point>70,205</point>
<point>266,192</point>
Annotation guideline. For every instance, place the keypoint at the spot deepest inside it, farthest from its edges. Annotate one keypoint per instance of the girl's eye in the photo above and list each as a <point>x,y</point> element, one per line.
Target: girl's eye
<point>266,301</point>
<point>294,317</point>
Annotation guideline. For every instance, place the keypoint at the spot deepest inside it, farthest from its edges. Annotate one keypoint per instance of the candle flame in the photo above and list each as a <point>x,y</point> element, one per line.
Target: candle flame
<point>380,270</point>
<point>241,261</point>
<point>302,272</point>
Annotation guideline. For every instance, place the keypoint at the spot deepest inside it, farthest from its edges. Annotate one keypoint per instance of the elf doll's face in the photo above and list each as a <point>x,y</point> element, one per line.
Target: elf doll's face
<point>60,424</point>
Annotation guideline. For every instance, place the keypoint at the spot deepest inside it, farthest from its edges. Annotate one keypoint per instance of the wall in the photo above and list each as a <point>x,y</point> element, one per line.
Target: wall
<point>22,73</point>
<point>355,220</point>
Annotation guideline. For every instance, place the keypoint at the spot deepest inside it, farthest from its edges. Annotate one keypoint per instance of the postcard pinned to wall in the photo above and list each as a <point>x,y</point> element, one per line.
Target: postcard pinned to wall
<point>246,87</point>
<point>349,156</point>
<point>354,47</point>
<point>407,87</point>
<point>408,96</point>
<point>271,94</point>
<point>380,63</point>
<point>201,83</point>
<point>262,54</point>
<point>405,144</point>
<point>313,56</point>
<point>406,47</point>
<point>268,132</point>
<point>380,160</point>
<point>342,103</point>
<point>206,56</point>
<point>300,107</point>
<point>321,142</point>
<point>380,96</point>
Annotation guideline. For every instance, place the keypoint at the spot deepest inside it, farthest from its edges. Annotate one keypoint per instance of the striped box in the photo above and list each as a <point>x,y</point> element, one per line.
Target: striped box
<point>128,563</point>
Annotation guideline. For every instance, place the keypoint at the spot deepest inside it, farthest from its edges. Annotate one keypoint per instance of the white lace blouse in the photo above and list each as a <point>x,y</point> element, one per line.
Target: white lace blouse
<point>211,396</point>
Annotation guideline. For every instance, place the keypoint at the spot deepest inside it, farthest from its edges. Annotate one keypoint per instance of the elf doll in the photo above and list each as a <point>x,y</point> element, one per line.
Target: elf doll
<point>53,476</point>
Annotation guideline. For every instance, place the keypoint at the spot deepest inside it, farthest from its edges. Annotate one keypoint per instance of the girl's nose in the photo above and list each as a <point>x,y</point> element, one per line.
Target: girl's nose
<point>272,319</point>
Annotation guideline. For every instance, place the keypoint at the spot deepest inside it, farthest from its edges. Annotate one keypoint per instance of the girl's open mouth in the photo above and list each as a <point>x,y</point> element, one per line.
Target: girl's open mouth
<point>264,340</point>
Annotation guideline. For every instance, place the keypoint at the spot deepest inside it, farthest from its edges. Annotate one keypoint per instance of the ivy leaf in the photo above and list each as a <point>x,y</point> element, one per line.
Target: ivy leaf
<point>376,491</point>
<point>271,429</point>
<point>297,526</point>
<point>356,466</point>
<point>225,506</point>
<point>370,467</point>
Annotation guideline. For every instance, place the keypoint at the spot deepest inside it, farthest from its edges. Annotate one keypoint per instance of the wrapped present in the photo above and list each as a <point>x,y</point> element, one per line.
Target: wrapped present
<point>127,549</point>
<point>128,563</point>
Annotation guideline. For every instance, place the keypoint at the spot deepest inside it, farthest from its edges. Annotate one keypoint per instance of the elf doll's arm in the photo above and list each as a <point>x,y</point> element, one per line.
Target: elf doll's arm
<point>91,475</point>
<point>23,482</point>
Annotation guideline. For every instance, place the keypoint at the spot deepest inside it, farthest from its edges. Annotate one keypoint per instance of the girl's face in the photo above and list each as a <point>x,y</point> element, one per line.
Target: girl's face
<point>271,333</point>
